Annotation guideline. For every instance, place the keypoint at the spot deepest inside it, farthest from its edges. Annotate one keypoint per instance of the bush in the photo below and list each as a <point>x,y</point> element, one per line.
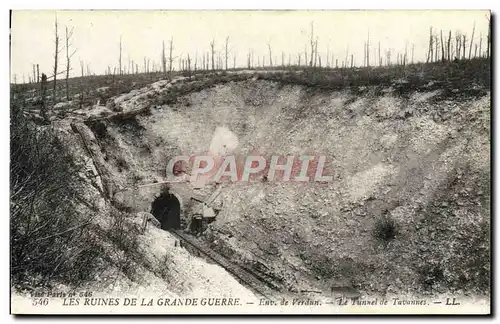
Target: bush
<point>50,219</point>
<point>385,229</point>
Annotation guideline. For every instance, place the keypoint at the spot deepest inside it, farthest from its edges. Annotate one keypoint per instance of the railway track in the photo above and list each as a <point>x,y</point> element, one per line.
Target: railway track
<point>246,278</point>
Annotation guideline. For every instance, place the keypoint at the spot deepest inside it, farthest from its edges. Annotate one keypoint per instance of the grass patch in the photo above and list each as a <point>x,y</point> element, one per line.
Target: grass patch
<point>385,229</point>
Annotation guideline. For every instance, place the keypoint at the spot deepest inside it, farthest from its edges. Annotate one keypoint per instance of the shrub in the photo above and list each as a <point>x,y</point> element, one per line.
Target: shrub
<point>385,229</point>
<point>50,218</point>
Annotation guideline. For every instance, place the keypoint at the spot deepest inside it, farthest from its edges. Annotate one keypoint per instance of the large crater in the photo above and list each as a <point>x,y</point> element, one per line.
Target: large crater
<point>407,210</point>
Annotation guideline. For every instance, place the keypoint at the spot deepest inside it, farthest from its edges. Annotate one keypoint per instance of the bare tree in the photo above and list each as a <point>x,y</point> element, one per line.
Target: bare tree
<point>226,48</point>
<point>458,40</point>
<point>69,34</point>
<point>464,42</point>
<point>442,46</point>
<point>472,39</point>
<point>163,58</point>
<point>380,57</point>
<point>315,51</point>
<point>270,54</point>
<point>120,58</point>
<point>305,56</point>
<point>34,74</point>
<point>328,56</point>
<point>189,65</point>
<point>212,50</point>
<point>436,44</point>
<point>312,44</point>
<point>448,47</point>
<point>57,50</point>
<point>489,38</point>
<point>170,58</point>
<point>368,49</point>
<point>37,73</point>
<point>480,44</point>
<point>430,52</point>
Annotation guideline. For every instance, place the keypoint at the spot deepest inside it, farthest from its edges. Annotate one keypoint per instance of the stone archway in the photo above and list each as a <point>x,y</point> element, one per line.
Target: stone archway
<point>167,209</point>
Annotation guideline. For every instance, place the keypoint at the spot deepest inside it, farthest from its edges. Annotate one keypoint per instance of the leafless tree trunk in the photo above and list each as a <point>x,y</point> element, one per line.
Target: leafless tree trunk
<point>170,58</point>
<point>120,58</point>
<point>463,46</point>
<point>163,59</point>
<point>56,56</point>
<point>212,50</point>
<point>37,73</point>
<point>368,50</point>
<point>298,58</point>
<point>448,47</point>
<point>346,56</point>
<point>480,44</point>
<point>81,67</point>
<point>305,57</point>
<point>43,87</point>
<point>379,57</point>
<point>69,34</point>
<point>442,46</point>
<point>436,48</point>
<point>226,51</point>
<point>270,55</point>
<point>472,39</point>
<point>328,56</point>
<point>34,73</point>
<point>430,52</point>
<point>489,38</point>
<point>315,51</point>
<point>312,45</point>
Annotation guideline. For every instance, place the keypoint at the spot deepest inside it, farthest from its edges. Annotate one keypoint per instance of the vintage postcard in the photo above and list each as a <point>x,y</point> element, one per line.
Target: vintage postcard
<point>250,162</point>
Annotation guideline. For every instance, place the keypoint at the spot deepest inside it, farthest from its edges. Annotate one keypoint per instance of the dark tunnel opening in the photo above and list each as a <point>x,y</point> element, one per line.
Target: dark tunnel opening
<point>167,209</point>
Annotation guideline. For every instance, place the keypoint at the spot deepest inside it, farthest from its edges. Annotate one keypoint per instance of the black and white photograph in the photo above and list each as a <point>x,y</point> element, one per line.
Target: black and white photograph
<point>250,162</point>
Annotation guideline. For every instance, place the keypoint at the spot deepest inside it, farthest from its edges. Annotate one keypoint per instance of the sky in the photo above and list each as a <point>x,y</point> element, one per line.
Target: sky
<point>97,34</point>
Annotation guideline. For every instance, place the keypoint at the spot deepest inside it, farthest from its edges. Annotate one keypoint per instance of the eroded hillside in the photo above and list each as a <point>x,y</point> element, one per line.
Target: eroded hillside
<point>407,211</point>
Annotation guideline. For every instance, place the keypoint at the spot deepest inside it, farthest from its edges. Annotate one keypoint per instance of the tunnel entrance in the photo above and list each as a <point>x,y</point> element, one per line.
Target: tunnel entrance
<point>167,210</point>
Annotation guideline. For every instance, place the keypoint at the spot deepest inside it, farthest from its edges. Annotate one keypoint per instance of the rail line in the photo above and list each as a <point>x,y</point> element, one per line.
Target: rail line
<point>245,277</point>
